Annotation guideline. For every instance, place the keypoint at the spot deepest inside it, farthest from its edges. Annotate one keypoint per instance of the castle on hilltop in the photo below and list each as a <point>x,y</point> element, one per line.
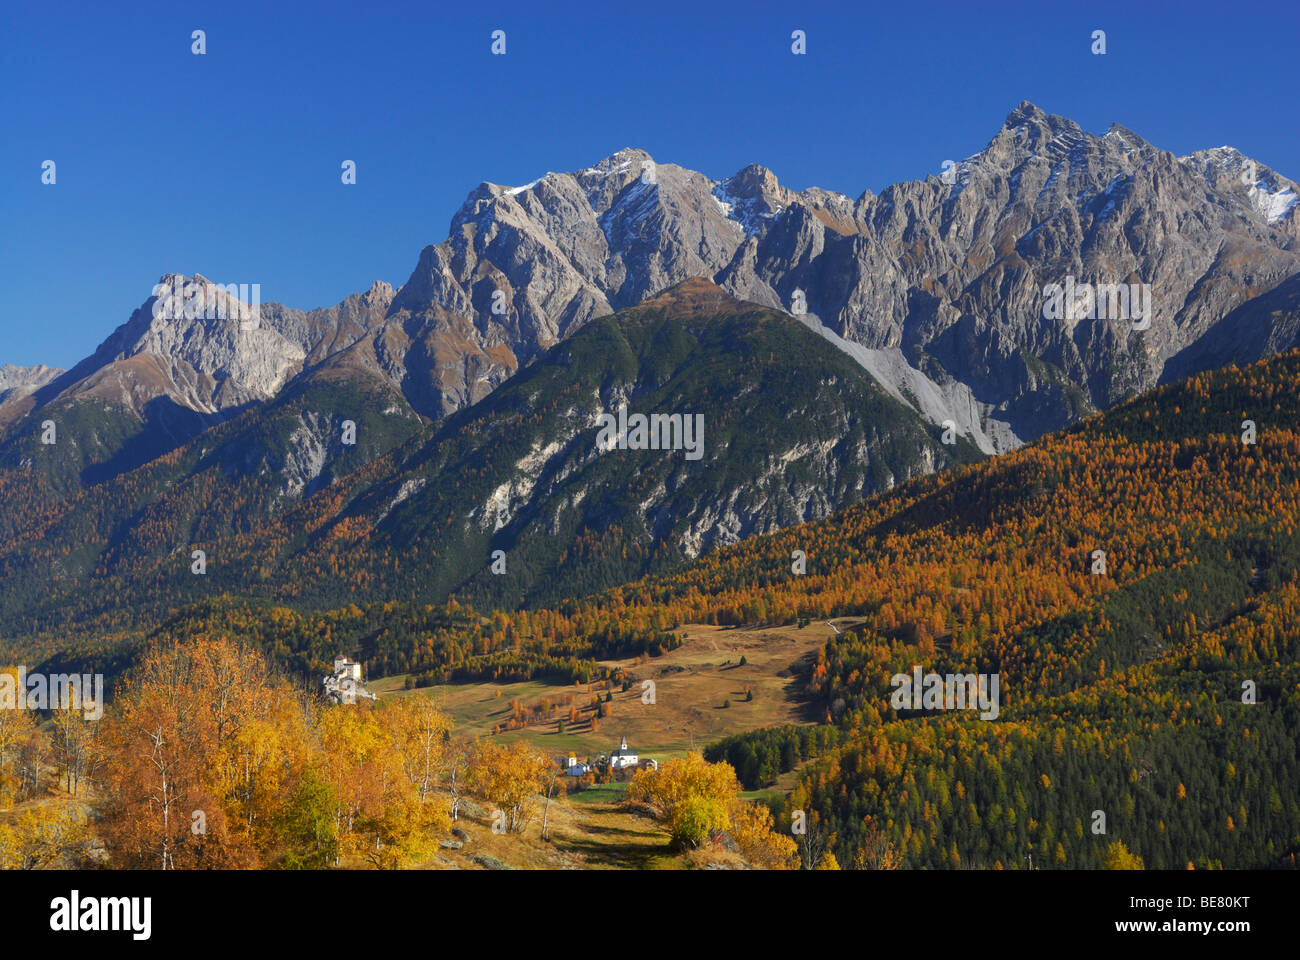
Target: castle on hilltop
<point>345,685</point>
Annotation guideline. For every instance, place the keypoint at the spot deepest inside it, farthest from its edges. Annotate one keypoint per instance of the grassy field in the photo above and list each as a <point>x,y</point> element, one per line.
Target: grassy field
<point>600,793</point>
<point>692,683</point>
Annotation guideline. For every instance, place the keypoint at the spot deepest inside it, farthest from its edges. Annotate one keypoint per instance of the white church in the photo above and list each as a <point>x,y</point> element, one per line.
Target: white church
<point>623,757</point>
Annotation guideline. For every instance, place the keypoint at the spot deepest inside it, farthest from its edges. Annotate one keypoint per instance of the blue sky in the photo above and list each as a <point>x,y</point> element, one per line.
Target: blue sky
<point>228,164</point>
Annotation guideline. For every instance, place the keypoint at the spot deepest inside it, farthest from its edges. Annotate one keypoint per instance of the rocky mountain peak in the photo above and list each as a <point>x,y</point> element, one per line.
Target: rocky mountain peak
<point>604,183</point>
<point>620,161</point>
<point>194,342</point>
<point>1025,112</point>
<point>1031,131</point>
<point>12,375</point>
<point>1273,196</point>
<point>753,198</point>
<point>1126,137</point>
<point>18,382</point>
<point>755,181</point>
<point>380,293</point>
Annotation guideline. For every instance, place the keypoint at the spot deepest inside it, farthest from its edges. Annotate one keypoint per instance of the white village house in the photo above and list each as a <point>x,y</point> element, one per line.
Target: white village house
<point>345,685</point>
<point>574,768</point>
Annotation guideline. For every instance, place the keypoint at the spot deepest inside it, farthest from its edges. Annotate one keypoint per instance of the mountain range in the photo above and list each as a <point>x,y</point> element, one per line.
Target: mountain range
<point>834,344</point>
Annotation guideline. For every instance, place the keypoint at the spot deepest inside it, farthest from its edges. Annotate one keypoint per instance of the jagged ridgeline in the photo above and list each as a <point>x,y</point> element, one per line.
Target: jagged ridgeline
<point>938,284</point>
<point>285,511</point>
